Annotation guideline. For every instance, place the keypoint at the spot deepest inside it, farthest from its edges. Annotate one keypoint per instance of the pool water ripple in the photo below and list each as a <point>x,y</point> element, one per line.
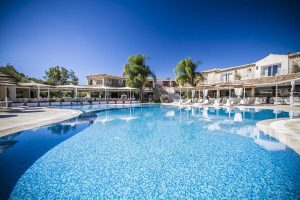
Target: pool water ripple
<point>154,154</point>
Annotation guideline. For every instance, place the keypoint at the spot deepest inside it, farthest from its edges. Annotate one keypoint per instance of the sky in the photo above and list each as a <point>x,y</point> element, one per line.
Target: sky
<point>94,36</point>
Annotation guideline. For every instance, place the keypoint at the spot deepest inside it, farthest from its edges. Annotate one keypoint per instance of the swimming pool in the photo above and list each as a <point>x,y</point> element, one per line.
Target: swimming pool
<point>158,152</point>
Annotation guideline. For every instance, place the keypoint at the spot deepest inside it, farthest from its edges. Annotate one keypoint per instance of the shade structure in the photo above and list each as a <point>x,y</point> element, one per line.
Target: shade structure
<point>184,88</point>
<point>204,86</point>
<point>70,87</point>
<point>5,84</point>
<point>37,86</point>
<point>109,88</point>
<point>238,91</point>
<point>34,84</point>
<point>193,94</point>
<point>231,85</point>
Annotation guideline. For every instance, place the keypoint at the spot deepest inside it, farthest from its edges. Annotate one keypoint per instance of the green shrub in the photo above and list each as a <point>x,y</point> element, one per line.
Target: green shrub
<point>296,68</point>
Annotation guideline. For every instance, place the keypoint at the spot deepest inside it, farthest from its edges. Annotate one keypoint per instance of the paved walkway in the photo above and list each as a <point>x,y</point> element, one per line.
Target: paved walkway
<point>33,118</point>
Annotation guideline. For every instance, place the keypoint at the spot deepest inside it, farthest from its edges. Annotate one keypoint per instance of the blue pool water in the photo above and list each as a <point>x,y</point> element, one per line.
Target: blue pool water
<point>152,152</point>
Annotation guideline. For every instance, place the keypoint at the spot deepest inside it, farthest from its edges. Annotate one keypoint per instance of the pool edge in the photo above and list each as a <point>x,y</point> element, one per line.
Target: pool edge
<point>52,115</point>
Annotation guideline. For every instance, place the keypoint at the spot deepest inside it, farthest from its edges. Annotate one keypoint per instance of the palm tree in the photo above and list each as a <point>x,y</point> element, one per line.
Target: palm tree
<point>137,73</point>
<point>185,72</point>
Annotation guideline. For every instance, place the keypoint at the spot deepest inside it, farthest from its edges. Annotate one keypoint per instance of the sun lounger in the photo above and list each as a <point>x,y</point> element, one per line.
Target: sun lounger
<point>229,102</point>
<point>278,101</point>
<point>187,102</point>
<point>199,102</point>
<point>236,101</point>
<point>296,101</point>
<point>286,100</point>
<point>180,101</point>
<point>264,100</point>
<point>251,100</point>
<point>218,102</point>
<point>243,102</point>
<point>209,101</point>
<point>258,101</point>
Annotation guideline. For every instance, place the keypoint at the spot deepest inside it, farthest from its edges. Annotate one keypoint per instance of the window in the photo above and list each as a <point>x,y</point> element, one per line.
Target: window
<point>99,82</point>
<point>226,77</point>
<point>272,70</point>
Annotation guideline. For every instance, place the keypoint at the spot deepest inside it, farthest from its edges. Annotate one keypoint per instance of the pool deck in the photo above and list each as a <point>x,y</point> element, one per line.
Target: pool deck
<point>286,130</point>
<point>11,122</point>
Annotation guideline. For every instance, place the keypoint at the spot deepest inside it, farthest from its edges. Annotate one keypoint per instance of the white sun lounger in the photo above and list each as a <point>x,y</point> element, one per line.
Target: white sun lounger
<point>258,101</point>
<point>218,102</point>
<point>209,101</point>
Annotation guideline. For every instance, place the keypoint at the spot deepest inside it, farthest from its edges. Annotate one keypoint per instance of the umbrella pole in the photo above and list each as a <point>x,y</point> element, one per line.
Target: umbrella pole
<point>5,93</point>
<point>292,93</point>
<point>244,93</point>
<point>276,90</point>
<point>38,97</point>
<point>180,95</point>
<point>48,93</point>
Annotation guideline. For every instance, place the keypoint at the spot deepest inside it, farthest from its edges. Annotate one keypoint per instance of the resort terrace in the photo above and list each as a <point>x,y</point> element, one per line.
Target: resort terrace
<point>36,94</point>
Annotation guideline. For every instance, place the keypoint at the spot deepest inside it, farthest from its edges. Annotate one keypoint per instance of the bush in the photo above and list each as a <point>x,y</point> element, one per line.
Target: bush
<point>296,68</point>
<point>164,98</point>
<point>123,97</point>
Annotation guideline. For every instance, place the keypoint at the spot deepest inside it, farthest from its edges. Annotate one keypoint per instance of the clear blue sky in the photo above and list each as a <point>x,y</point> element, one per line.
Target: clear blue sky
<point>98,36</point>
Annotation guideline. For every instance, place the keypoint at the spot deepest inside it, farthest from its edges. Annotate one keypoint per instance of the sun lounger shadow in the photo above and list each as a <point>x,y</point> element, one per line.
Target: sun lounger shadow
<point>7,116</point>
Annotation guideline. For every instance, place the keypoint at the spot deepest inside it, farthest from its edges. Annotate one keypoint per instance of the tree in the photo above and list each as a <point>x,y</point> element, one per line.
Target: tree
<point>20,77</point>
<point>73,78</point>
<point>137,73</point>
<point>60,76</point>
<point>185,72</point>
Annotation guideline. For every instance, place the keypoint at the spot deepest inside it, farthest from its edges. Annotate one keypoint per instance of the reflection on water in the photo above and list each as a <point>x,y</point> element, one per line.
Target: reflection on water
<point>243,119</point>
<point>170,113</point>
<point>238,117</point>
<point>8,141</point>
<point>71,125</point>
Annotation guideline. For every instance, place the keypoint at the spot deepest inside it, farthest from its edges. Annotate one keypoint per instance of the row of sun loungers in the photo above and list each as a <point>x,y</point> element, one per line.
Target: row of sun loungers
<point>237,101</point>
<point>69,102</point>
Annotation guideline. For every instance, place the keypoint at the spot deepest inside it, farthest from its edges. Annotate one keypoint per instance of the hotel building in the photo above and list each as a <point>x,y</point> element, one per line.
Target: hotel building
<point>259,79</point>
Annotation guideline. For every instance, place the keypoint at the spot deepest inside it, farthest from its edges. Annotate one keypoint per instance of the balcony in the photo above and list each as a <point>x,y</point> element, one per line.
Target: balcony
<point>268,73</point>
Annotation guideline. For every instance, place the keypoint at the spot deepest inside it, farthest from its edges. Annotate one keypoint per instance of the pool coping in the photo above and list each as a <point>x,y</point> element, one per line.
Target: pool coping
<point>277,128</point>
<point>46,116</point>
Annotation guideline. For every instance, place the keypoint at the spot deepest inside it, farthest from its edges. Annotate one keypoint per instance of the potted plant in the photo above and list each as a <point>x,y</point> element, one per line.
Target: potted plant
<point>237,76</point>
